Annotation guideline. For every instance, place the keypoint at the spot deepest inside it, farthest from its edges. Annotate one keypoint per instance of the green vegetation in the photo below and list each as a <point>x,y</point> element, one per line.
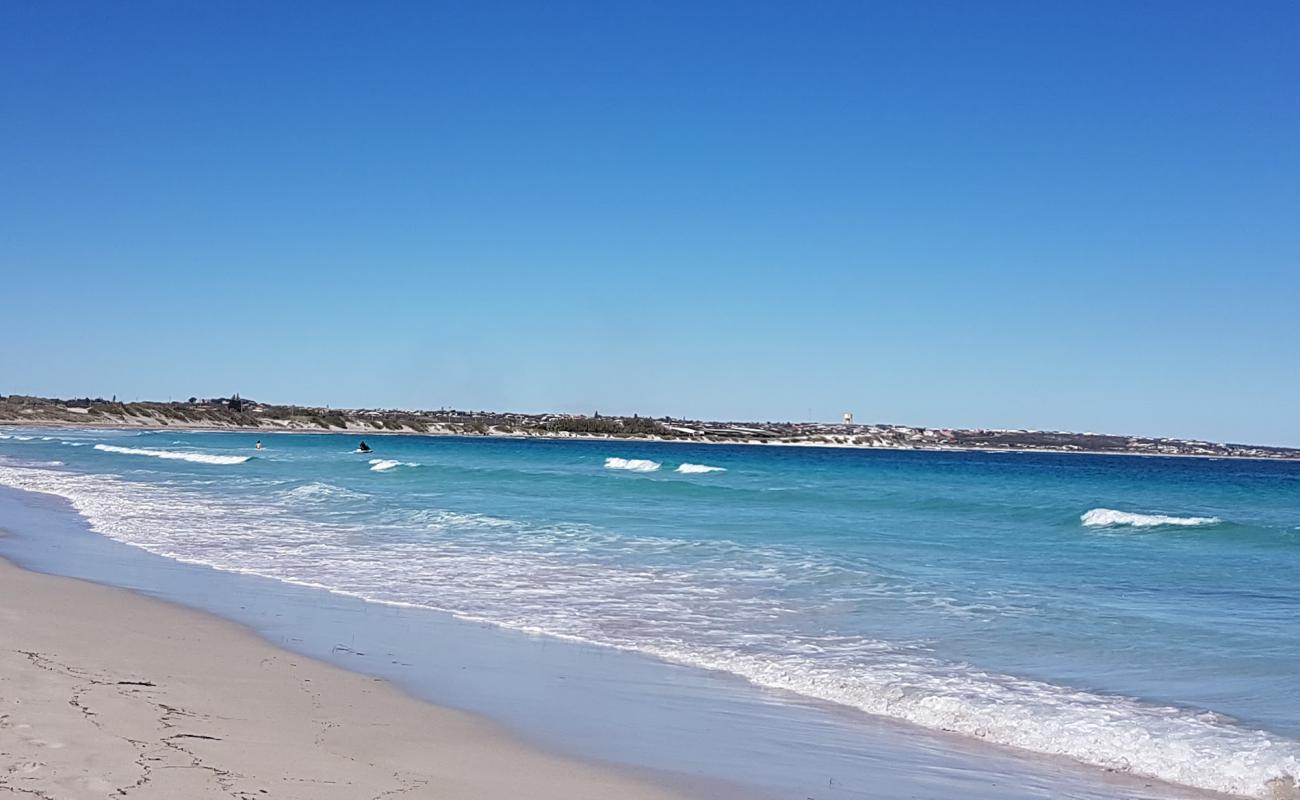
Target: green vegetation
<point>236,413</point>
<point>610,426</point>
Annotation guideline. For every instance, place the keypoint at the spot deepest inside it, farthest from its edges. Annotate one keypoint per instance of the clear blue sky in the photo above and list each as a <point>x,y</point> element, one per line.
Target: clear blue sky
<point>1056,215</point>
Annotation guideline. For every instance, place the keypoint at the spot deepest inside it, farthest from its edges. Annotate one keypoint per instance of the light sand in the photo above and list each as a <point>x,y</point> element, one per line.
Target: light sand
<point>108,694</point>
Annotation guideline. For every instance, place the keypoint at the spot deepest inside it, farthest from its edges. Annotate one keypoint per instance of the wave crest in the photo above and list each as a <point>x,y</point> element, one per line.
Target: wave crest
<point>175,455</point>
<point>385,464</point>
<point>1109,517</point>
<point>632,464</point>
<point>466,575</point>
<point>698,469</point>
<point>318,492</point>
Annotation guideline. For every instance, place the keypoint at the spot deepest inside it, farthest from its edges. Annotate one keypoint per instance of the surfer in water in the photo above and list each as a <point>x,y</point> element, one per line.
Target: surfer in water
<point>258,446</point>
<point>363,448</point>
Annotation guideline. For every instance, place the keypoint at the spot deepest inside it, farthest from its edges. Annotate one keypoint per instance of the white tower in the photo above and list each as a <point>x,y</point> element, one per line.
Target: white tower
<point>848,417</point>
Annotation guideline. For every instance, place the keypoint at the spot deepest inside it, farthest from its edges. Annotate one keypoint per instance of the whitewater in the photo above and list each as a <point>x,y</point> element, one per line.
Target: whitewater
<point>198,458</point>
<point>907,586</point>
<point>1109,517</point>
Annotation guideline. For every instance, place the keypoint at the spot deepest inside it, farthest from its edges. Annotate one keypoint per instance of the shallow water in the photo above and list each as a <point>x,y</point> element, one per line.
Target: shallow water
<point>1129,613</point>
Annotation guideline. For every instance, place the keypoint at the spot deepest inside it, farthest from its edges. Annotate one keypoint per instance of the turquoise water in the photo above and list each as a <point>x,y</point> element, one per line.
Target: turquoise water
<point>1136,614</point>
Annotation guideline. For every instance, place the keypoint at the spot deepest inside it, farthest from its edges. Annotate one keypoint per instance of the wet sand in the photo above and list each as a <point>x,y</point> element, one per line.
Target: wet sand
<point>106,694</point>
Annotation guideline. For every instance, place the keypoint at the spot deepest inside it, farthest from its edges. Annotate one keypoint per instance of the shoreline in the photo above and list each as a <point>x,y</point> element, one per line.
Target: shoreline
<point>545,679</point>
<point>105,690</point>
<point>122,425</point>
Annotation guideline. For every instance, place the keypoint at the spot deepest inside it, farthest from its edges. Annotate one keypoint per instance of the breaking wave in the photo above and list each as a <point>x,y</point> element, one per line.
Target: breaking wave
<point>175,455</point>
<point>385,464</point>
<point>1109,517</point>
<point>697,469</point>
<point>441,520</point>
<point>318,492</point>
<point>573,581</point>
<point>632,464</point>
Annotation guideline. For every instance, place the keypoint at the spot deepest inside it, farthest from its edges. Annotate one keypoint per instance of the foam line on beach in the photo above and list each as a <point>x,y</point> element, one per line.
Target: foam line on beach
<point>136,660</point>
<point>174,455</point>
<point>518,589</point>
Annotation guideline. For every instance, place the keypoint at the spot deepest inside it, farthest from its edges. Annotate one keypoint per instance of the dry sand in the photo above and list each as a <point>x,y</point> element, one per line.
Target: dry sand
<point>108,694</point>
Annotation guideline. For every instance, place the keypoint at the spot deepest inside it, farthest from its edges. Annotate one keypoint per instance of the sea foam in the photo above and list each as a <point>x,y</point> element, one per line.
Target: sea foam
<point>385,464</point>
<point>632,464</point>
<point>549,572</point>
<point>1109,517</point>
<point>697,469</point>
<point>318,492</point>
<point>175,455</point>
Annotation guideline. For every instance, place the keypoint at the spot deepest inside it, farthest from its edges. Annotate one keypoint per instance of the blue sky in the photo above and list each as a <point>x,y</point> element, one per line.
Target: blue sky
<point>1078,216</point>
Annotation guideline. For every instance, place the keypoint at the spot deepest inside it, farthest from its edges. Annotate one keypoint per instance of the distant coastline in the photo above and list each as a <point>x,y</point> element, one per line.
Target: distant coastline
<point>236,414</point>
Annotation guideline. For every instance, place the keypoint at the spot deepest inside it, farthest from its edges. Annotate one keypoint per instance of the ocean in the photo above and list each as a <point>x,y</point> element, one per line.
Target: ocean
<point>1134,615</point>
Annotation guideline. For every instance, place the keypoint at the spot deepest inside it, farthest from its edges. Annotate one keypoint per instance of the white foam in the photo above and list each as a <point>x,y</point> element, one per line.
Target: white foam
<point>574,582</point>
<point>317,492</point>
<point>385,464</point>
<point>698,469</point>
<point>632,464</point>
<point>175,455</point>
<point>440,520</point>
<point>1109,517</point>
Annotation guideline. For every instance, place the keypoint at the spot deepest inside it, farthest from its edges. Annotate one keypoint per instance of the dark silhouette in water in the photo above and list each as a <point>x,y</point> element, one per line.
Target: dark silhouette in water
<point>363,448</point>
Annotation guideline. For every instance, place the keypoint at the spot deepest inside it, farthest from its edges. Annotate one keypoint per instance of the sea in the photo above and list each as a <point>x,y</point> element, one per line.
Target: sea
<point>795,622</point>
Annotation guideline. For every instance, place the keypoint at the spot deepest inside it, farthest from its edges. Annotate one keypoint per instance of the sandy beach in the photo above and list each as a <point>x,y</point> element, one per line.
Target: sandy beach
<point>106,694</point>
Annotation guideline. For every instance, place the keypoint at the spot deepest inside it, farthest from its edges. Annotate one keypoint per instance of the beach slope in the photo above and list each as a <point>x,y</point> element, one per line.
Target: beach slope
<point>106,694</point>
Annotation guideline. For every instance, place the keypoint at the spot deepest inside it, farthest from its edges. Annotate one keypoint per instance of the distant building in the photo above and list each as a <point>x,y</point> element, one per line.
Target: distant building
<point>848,417</point>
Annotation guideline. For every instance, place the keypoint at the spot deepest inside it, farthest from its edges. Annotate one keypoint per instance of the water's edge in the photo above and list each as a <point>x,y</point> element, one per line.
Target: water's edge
<point>19,547</point>
<point>652,718</point>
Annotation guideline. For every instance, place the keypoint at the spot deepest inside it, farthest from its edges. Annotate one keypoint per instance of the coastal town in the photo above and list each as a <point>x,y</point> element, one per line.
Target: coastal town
<point>236,413</point>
